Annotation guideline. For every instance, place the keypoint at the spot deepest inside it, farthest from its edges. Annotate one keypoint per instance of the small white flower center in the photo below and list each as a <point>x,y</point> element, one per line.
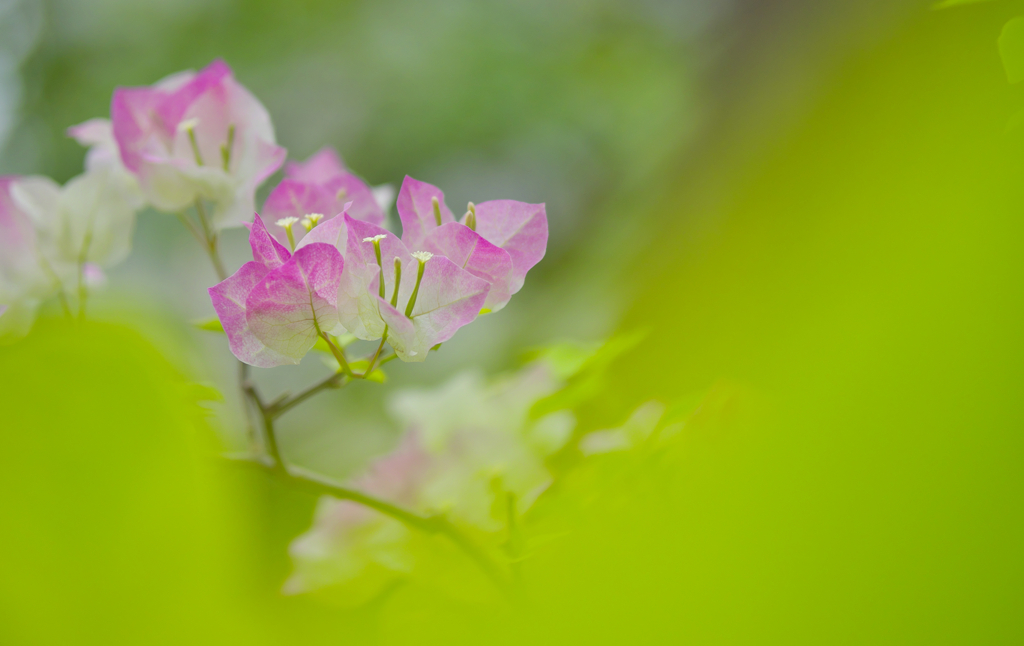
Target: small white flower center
<point>188,124</point>
<point>379,236</point>
<point>286,223</point>
<point>422,256</point>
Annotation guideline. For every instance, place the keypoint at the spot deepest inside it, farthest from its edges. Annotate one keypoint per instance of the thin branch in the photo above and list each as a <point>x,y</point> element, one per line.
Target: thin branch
<point>210,234</point>
<point>278,408</point>
<point>373,359</point>
<point>191,229</point>
<point>339,355</point>
<point>318,484</point>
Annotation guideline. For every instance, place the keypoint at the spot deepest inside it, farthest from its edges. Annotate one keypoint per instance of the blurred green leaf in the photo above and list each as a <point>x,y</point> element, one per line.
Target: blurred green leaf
<point>342,341</point>
<point>203,393</point>
<point>566,358</point>
<point>116,528</point>
<point>590,378</point>
<point>1011,49</point>
<point>210,325</point>
<point>360,365</point>
<point>953,3</point>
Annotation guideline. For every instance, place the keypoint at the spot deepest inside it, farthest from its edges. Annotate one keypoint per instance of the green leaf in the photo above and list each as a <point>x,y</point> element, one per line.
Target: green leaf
<point>342,341</point>
<point>359,366</point>
<point>589,380</point>
<point>566,359</point>
<point>203,393</point>
<point>945,4</point>
<point>1011,49</point>
<point>210,325</point>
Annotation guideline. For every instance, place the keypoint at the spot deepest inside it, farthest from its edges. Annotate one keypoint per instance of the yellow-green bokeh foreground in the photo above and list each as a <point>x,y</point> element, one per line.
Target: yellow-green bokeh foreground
<point>857,478</point>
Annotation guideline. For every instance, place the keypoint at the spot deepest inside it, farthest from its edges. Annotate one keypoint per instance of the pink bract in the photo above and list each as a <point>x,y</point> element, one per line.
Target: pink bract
<point>274,307</point>
<point>321,185</point>
<point>197,136</point>
<point>448,296</point>
<point>503,227</point>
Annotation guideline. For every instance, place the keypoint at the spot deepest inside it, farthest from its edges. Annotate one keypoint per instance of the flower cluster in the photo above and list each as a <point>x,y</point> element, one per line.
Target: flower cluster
<point>190,140</point>
<point>55,239</point>
<point>414,291</point>
<point>197,136</point>
<point>200,140</point>
<point>468,446</point>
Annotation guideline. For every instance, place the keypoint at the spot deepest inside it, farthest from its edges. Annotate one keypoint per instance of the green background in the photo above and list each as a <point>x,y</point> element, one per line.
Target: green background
<point>814,212</point>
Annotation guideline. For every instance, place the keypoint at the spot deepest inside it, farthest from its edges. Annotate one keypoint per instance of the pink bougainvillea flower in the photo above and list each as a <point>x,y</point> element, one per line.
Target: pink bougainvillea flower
<point>498,241</point>
<point>105,157</point>
<point>275,306</point>
<point>197,136</point>
<point>322,185</point>
<point>417,298</point>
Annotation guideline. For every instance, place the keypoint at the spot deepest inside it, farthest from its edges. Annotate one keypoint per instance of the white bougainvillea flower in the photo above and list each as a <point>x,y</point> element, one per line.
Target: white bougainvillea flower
<point>498,241</point>
<point>274,308</point>
<point>348,540</point>
<point>418,298</point>
<point>197,136</point>
<point>468,444</point>
<point>25,278</point>
<point>322,185</point>
<point>88,220</point>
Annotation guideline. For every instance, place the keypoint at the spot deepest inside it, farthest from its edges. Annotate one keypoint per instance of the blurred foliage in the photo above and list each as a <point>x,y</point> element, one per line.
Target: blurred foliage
<point>116,529</point>
<point>835,326</point>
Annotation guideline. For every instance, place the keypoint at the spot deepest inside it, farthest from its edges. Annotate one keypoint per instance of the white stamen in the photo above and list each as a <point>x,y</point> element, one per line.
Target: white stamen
<point>422,256</point>
<point>379,236</point>
<point>188,124</point>
<point>286,223</point>
<point>314,217</point>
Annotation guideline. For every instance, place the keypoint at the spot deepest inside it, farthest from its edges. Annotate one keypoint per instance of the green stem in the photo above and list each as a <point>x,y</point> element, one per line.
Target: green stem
<point>339,355</point>
<point>195,146</point>
<point>211,240</point>
<point>225,149</point>
<point>373,359</point>
<point>415,289</point>
<point>321,485</point>
<point>277,409</point>
<point>398,281</point>
<point>191,228</point>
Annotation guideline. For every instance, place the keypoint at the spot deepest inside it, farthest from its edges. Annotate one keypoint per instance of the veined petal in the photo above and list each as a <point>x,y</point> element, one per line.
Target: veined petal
<point>519,228</point>
<point>23,282</point>
<point>332,231</point>
<point>265,249</point>
<point>358,291</point>
<point>294,303</point>
<point>416,211</point>
<point>448,298</point>
<point>322,167</point>
<point>197,136</point>
<point>472,252</point>
<point>364,204</point>
<point>229,299</point>
<point>177,102</point>
<point>96,219</point>
<point>295,199</point>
